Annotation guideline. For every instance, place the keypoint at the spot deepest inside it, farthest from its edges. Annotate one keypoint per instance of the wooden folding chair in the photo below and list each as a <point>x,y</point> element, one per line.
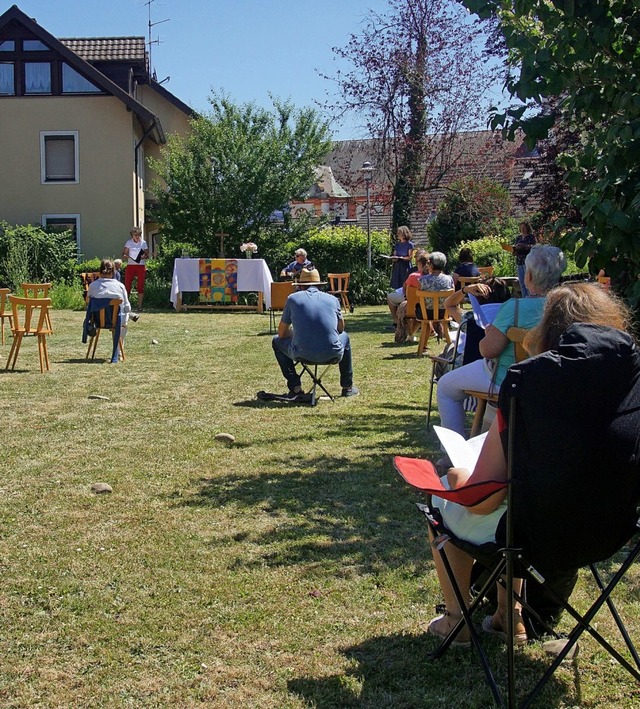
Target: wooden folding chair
<point>485,271</point>
<point>87,279</point>
<point>435,302</point>
<point>4,313</point>
<point>38,290</point>
<point>29,318</point>
<point>339,286</point>
<point>107,318</point>
<point>280,291</point>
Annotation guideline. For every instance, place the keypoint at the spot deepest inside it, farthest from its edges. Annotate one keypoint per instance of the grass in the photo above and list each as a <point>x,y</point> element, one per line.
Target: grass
<point>288,569</point>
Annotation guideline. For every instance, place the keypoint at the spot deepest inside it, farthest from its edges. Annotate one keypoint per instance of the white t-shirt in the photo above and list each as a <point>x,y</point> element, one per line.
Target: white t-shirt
<point>135,247</point>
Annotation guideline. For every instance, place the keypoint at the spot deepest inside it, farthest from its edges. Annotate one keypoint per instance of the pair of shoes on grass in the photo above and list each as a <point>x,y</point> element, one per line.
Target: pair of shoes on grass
<point>299,397</point>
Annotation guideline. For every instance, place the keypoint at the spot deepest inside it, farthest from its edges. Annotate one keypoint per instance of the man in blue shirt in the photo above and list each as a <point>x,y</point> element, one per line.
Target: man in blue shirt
<point>312,328</point>
<point>294,268</point>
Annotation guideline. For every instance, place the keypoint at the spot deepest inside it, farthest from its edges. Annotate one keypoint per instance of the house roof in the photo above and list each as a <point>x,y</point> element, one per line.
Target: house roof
<point>148,120</point>
<point>103,49</point>
<point>326,184</point>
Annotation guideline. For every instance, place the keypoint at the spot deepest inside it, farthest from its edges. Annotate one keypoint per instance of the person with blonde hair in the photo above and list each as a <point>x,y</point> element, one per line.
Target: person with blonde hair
<point>582,336</point>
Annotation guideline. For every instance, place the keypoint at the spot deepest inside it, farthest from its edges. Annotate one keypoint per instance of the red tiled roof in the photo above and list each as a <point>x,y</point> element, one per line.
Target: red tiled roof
<point>101,49</point>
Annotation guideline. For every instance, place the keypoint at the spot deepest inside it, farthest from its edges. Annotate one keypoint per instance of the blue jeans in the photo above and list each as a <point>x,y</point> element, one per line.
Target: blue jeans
<point>523,288</point>
<point>282,349</point>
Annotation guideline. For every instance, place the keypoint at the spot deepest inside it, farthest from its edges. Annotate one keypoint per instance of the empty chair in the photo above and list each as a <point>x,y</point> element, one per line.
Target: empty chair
<point>280,291</point>
<point>38,290</point>
<point>30,317</point>
<point>339,286</point>
<point>103,314</point>
<point>4,309</point>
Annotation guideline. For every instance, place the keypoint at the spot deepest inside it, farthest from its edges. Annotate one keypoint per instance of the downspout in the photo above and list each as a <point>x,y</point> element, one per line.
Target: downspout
<point>145,135</point>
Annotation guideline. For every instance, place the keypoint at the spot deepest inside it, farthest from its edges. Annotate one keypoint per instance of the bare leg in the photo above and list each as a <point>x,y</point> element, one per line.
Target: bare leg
<point>461,564</point>
<point>140,299</point>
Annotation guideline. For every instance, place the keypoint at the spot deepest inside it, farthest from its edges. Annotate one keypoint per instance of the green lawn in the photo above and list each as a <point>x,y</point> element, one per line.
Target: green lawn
<point>288,569</point>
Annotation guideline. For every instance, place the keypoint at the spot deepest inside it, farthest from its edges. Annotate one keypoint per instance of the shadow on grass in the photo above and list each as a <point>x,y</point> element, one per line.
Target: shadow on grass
<point>397,671</point>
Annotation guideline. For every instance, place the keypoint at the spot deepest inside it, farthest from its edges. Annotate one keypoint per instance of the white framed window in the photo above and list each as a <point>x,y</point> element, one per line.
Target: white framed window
<point>63,222</point>
<point>59,156</point>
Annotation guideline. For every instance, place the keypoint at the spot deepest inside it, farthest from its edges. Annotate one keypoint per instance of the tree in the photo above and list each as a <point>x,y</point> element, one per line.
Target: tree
<point>418,77</point>
<point>236,167</point>
<point>585,56</point>
<point>471,210</point>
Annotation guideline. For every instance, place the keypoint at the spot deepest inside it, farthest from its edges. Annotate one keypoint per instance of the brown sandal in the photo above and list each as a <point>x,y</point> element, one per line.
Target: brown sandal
<point>494,626</point>
<point>434,628</point>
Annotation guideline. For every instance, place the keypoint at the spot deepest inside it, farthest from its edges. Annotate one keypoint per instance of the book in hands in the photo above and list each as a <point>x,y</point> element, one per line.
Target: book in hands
<point>462,453</point>
<point>484,315</point>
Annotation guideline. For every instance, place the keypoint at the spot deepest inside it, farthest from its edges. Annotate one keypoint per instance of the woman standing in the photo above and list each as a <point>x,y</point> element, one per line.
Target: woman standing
<point>403,252</point>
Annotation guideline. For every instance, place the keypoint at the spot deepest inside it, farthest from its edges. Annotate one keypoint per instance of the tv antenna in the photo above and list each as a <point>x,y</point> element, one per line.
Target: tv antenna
<point>152,41</point>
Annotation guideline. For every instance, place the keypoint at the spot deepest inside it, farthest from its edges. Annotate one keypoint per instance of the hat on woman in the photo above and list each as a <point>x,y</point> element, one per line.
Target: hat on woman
<point>310,276</point>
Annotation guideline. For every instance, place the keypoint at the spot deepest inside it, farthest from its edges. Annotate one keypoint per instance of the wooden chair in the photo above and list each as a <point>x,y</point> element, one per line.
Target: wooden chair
<point>485,271</point>
<point>467,280</point>
<point>30,317</point>
<point>437,299</point>
<point>605,282</point>
<point>339,286</point>
<point>516,335</point>
<point>280,291</point>
<point>4,313</point>
<point>37,290</point>
<point>87,279</point>
<point>106,319</point>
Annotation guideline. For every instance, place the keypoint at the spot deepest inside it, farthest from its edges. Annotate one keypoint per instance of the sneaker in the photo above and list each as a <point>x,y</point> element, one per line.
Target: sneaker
<point>134,316</point>
<point>350,391</point>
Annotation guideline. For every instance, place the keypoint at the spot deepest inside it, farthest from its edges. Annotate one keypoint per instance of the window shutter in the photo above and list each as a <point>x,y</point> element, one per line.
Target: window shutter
<point>60,158</point>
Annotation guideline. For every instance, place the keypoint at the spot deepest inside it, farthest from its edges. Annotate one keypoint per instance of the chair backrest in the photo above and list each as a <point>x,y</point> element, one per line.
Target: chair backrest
<point>432,300</point>
<point>485,271</point>
<point>412,300</point>
<point>30,315</point>
<point>108,318</point>
<point>280,291</point>
<point>35,290</point>
<point>604,281</point>
<point>577,417</point>
<point>338,281</point>
<point>517,335</point>
<point>4,292</point>
<point>467,280</point>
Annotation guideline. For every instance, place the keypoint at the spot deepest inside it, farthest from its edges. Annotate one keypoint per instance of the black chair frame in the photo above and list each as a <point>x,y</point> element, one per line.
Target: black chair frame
<point>311,368</point>
<point>509,562</point>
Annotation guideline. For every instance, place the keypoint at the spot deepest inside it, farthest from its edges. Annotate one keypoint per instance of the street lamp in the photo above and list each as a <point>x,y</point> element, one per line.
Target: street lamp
<point>367,171</point>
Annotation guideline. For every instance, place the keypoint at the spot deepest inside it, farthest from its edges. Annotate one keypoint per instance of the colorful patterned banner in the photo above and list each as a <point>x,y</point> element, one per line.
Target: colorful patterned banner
<point>218,280</point>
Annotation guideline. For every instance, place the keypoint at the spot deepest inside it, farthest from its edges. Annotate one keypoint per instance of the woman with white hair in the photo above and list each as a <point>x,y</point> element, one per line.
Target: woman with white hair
<point>544,266</point>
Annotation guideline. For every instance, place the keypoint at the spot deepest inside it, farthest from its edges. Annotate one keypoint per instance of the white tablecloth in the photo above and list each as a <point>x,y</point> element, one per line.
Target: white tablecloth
<point>253,275</point>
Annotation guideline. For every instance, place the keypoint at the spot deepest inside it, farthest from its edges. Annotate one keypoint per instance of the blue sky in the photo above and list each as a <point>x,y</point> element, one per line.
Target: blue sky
<point>248,48</point>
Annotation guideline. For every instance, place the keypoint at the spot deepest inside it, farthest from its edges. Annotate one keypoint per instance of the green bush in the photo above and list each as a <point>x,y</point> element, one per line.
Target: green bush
<point>29,253</point>
<point>471,210</point>
<point>157,290</point>
<point>88,266</point>
<point>66,296</point>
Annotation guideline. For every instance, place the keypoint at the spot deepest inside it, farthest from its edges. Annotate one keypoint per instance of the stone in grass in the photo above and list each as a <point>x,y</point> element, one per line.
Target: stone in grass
<point>99,396</point>
<point>225,437</point>
<point>154,342</point>
<point>101,488</point>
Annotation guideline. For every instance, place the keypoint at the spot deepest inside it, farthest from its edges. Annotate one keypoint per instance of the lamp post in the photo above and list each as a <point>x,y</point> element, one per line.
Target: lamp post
<point>367,171</point>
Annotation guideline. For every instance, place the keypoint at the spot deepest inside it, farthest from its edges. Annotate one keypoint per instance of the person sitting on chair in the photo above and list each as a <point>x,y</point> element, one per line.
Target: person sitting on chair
<point>545,264</point>
<point>584,324</point>
<point>108,287</point>
<point>312,328</point>
<point>294,268</point>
